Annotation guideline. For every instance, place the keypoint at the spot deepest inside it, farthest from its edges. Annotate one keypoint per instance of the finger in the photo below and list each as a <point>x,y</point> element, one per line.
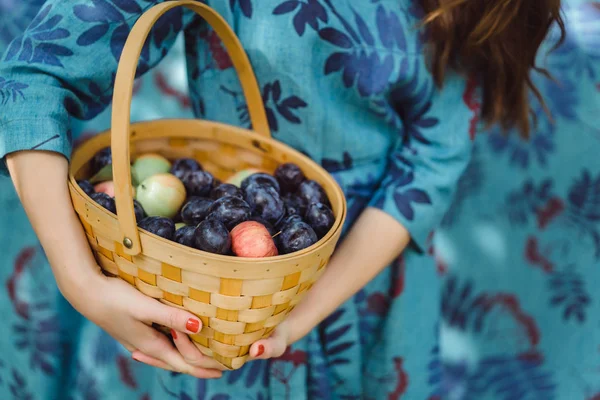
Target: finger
<point>191,354</point>
<point>171,317</point>
<point>158,346</point>
<point>273,346</point>
<point>146,359</point>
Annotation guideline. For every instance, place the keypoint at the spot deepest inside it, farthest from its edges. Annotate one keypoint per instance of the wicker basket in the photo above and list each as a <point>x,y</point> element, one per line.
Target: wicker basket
<point>239,300</point>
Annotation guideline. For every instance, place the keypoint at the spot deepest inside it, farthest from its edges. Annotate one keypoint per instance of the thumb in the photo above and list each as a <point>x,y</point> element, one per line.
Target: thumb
<point>271,347</point>
<point>174,318</point>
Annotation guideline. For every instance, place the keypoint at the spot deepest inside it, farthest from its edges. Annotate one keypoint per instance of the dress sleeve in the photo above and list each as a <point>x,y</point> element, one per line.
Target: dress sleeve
<point>64,65</point>
<point>433,150</point>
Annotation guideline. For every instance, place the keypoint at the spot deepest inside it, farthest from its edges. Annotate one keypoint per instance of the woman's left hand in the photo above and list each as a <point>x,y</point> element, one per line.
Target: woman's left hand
<point>273,346</point>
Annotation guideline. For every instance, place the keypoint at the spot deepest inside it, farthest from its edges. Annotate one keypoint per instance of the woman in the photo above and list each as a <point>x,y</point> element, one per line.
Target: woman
<point>345,83</point>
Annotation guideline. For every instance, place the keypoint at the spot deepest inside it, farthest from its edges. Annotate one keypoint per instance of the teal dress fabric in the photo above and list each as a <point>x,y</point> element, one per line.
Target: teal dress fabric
<point>495,297</point>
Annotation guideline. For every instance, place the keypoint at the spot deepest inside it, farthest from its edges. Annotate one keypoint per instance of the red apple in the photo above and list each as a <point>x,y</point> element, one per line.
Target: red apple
<point>252,239</point>
<point>107,187</point>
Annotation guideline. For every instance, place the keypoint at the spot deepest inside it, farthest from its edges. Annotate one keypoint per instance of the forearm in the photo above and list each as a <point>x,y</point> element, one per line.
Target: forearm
<point>374,241</point>
<point>40,179</point>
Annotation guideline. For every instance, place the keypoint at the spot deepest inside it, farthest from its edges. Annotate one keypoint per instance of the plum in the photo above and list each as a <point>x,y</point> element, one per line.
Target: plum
<point>138,210</point>
<point>182,166</point>
<point>225,189</point>
<point>289,176</point>
<point>160,226</point>
<point>261,179</point>
<point>265,202</point>
<point>320,218</point>
<point>105,201</point>
<point>101,159</point>
<point>229,210</point>
<point>197,183</point>
<point>195,210</point>
<point>296,236</point>
<point>294,205</point>
<point>185,235</point>
<point>289,220</point>
<point>211,235</point>
<point>86,186</point>
<point>312,192</point>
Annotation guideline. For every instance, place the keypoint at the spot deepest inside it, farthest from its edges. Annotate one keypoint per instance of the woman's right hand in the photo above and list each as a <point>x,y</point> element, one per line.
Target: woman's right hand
<point>40,179</point>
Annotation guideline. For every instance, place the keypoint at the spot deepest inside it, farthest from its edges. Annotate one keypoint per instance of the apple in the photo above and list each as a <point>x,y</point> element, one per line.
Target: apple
<point>252,239</point>
<point>237,178</point>
<point>179,225</point>
<point>149,164</point>
<point>161,195</point>
<point>107,187</point>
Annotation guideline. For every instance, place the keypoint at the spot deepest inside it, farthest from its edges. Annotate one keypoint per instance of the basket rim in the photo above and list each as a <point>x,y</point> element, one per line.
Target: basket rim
<point>331,235</point>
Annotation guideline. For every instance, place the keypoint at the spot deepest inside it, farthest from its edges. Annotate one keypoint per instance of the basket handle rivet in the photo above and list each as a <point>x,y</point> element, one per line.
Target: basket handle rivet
<point>127,243</point>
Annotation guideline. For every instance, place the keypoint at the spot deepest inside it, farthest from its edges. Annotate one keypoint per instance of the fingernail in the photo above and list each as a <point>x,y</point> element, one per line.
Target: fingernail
<point>193,325</point>
<point>174,334</point>
<point>261,350</point>
<point>135,359</point>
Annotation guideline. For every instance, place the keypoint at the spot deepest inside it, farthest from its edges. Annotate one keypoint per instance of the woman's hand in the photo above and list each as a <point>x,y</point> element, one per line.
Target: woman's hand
<point>40,179</point>
<point>375,240</point>
<point>127,315</point>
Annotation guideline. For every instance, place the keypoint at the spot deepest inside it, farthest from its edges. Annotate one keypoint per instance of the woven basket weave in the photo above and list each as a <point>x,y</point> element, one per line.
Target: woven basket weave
<point>239,300</point>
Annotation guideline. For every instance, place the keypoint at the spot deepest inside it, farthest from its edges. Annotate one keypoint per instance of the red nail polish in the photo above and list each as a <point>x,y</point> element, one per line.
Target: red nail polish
<point>261,350</point>
<point>174,334</point>
<point>193,325</point>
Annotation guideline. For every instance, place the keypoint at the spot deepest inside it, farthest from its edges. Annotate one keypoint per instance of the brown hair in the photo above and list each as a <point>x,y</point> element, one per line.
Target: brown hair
<point>498,40</point>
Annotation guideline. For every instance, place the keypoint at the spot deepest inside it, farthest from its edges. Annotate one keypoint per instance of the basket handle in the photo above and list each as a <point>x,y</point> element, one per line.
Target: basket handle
<point>123,92</point>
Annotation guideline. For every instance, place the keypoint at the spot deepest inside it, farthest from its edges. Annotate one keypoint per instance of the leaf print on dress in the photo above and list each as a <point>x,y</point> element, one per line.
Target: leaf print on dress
<point>309,12</point>
<point>244,5</point>
<point>11,90</point>
<point>15,16</point>
<point>18,386</point>
<point>568,291</point>
<point>38,44</point>
<point>583,207</point>
<point>400,175</point>
<point>358,60</point>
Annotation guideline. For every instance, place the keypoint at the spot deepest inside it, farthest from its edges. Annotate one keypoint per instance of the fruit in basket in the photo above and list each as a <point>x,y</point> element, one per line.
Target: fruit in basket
<point>211,235</point>
<point>261,179</point>
<point>195,210</point>
<point>267,225</point>
<point>198,183</point>
<point>312,192</point>
<point>163,227</point>
<point>149,164</point>
<point>320,218</point>
<point>182,166</point>
<point>265,202</point>
<point>107,187</point>
<point>161,195</point>
<point>105,201</point>
<point>100,160</point>
<point>289,220</point>
<point>252,239</point>
<point>230,211</point>
<point>239,176</point>
<point>86,186</point>
<point>294,205</point>
<point>295,237</point>
<point>138,210</point>
<point>289,176</point>
<point>225,189</point>
<point>185,235</point>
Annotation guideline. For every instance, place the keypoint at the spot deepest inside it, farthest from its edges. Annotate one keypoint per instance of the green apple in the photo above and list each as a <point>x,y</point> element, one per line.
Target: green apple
<point>161,195</point>
<point>239,176</point>
<point>148,165</point>
<point>179,225</point>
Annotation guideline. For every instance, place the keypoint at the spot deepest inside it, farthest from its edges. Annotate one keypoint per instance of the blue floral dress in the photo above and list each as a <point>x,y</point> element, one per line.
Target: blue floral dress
<point>499,305</point>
